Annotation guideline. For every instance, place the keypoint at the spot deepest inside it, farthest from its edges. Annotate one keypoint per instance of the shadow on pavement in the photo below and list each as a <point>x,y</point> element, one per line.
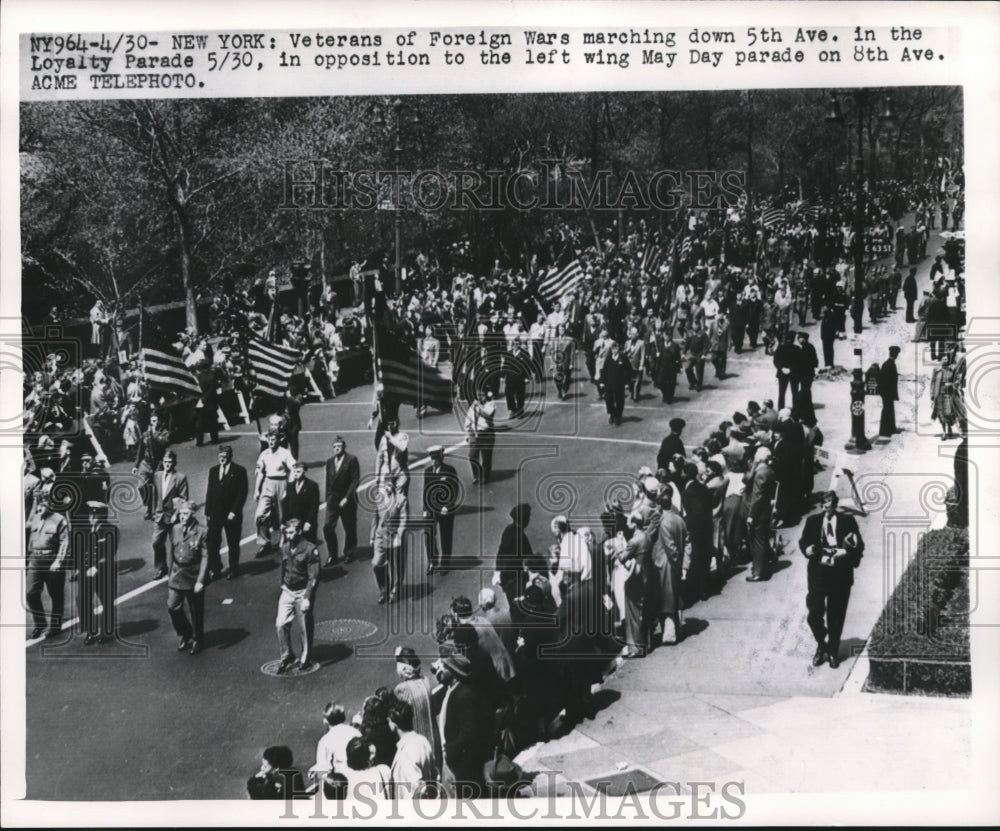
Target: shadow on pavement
<point>128,628</point>
<point>330,653</point>
<point>693,626</point>
<point>225,638</point>
<point>130,565</point>
<point>261,566</point>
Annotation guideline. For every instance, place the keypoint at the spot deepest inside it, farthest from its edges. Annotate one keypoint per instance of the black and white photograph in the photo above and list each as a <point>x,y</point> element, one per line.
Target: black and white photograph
<point>442,452</point>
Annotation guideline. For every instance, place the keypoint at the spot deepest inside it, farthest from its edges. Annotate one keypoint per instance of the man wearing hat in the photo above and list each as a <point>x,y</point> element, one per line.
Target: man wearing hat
<point>186,584</point>
<point>635,351</point>
<point>97,545</point>
<point>488,639</point>
<point>888,389</point>
<point>832,543</point>
<point>442,492</point>
<point>225,496</point>
<point>513,550</point>
<point>172,488</point>
<point>465,736</point>
<point>672,445</point>
<point>343,474</point>
<point>808,364</point>
<point>299,578</point>
<point>301,501</point>
<point>274,465</point>
<point>669,546</point>
<point>761,484</point>
<point>48,544</point>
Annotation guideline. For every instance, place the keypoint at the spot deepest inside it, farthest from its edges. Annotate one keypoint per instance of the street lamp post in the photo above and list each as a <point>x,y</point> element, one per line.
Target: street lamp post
<point>397,126</point>
<point>861,98</point>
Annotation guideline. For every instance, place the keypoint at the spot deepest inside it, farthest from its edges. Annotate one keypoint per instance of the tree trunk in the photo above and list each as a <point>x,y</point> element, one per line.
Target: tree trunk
<point>184,250</point>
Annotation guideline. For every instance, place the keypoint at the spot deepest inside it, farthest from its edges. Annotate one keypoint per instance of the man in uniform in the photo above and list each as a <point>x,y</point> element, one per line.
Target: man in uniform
<point>97,545</point>
<point>479,434</point>
<point>301,501</point>
<point>225,496</point>
<point>441,497</point>
<point>171,489</point>
<point>299,578</point>
<point>48,544</point>
<point>343,474</point>
<point>153,443</point>
<point>832,542</point>
<point>186,585</point>
<point>888,389</point>
<point>270,480</point>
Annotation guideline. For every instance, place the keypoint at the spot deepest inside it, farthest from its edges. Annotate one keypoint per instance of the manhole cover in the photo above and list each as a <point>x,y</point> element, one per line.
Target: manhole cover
<point>271,668</point>
<point>344,629</point>
<point>621,784</point>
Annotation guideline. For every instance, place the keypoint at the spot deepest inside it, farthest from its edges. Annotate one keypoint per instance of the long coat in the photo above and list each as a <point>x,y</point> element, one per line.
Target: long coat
<point>668,560</point>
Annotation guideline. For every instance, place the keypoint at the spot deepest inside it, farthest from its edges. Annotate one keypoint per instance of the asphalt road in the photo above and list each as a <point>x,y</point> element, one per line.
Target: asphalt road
<point>146,722</point>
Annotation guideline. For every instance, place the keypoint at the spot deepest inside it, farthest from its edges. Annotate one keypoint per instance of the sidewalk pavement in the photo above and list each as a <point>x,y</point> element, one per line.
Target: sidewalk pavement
<point>738,699</point>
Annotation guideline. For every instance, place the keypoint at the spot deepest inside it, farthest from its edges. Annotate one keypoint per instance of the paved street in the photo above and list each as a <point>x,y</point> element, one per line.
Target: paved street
<point>153,723</point>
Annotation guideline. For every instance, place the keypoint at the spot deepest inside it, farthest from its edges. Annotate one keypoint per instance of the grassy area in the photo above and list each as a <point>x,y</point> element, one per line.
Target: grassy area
<point>921,641</point>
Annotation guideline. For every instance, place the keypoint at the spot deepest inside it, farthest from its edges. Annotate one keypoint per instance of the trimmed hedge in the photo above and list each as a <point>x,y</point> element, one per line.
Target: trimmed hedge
<point>921,641</point>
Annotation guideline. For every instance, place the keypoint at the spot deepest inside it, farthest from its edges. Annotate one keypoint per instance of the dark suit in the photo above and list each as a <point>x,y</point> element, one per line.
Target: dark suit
<point>167,494</point>
<point>224,496</point>
<point>787,356</point>
<point>342,485</point>
<point>441,498</point>
<point>910,294</point>
<point>761,484</point>
<point>829,586</point>
<point>888,388</point>
<point>301,501</point>
<point>697,500</point>
<point>466,744</point>
<point>208,413</point>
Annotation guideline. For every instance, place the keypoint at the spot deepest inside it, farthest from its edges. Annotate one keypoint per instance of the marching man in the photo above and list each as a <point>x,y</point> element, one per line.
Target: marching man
<point>273,467</point>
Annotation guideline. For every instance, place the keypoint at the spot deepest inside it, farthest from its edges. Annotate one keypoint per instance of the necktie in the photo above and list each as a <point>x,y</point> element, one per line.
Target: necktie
<point>829,532</point>
<point>223,471</point>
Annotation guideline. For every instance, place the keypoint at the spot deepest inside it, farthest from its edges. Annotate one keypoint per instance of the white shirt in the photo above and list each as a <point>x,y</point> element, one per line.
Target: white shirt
<point>331,750</point>
<point>412,764</point>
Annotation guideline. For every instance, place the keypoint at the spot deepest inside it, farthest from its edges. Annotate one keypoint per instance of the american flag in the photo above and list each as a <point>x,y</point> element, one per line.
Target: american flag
<point>651,257</point>
<point>561,280</point>
<point>272,365</point>
<point>806,210</point>
<point>770,217</point>
<point>686,245</point>
<point>166,371</point>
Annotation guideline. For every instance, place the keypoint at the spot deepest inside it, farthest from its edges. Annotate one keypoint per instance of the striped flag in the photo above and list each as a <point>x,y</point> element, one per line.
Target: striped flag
<point>770,217</point>
<point>686,245</point>
<point>561,280</point>
<point>272,365</point>
<point>166,371</point>
<point>406,378</point>
<point>651,257</point>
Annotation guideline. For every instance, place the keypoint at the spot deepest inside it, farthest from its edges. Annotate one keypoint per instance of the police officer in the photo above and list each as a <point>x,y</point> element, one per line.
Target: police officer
<point>299,578</point>
<point>273,467</point>
<point>188,567</point>
<point>97,545</point>
<point>48,544</point>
